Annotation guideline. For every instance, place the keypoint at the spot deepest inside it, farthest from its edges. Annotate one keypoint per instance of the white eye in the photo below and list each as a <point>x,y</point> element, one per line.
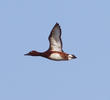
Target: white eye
<point>70,57</point>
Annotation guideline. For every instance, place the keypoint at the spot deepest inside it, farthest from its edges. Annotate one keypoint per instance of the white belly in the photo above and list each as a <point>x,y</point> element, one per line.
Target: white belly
<point>56,56</point>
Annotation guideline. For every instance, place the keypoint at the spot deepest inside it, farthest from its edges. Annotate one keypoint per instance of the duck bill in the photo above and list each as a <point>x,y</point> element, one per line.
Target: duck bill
<point>74,57</point>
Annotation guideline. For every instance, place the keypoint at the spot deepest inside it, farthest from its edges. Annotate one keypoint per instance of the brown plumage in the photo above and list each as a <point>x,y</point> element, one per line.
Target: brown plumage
<point>55,51</point>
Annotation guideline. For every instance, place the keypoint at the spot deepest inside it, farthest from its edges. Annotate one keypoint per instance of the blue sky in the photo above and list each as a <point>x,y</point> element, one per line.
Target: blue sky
<point>26,24</point>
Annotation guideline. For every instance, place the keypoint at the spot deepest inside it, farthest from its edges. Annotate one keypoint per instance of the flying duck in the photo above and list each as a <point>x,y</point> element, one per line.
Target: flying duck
<point>55,51</point>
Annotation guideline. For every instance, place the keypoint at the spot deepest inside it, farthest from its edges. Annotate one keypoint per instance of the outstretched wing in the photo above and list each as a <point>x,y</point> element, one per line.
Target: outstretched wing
<point>55,39</point>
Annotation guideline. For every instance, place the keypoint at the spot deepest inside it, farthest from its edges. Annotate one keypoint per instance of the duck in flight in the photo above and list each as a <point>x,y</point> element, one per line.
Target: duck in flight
<point>55,51</point>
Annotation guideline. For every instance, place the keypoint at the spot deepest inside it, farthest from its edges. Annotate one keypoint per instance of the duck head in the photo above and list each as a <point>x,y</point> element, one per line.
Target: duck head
<point>33,53</point>
<point>71,57</point>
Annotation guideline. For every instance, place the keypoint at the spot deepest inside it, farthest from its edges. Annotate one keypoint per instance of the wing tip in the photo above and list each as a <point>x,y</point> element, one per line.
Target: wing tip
<point>57,24</point>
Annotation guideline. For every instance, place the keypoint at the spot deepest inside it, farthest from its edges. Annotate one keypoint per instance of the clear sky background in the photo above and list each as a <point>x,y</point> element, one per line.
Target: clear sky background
<point>26,24</point>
